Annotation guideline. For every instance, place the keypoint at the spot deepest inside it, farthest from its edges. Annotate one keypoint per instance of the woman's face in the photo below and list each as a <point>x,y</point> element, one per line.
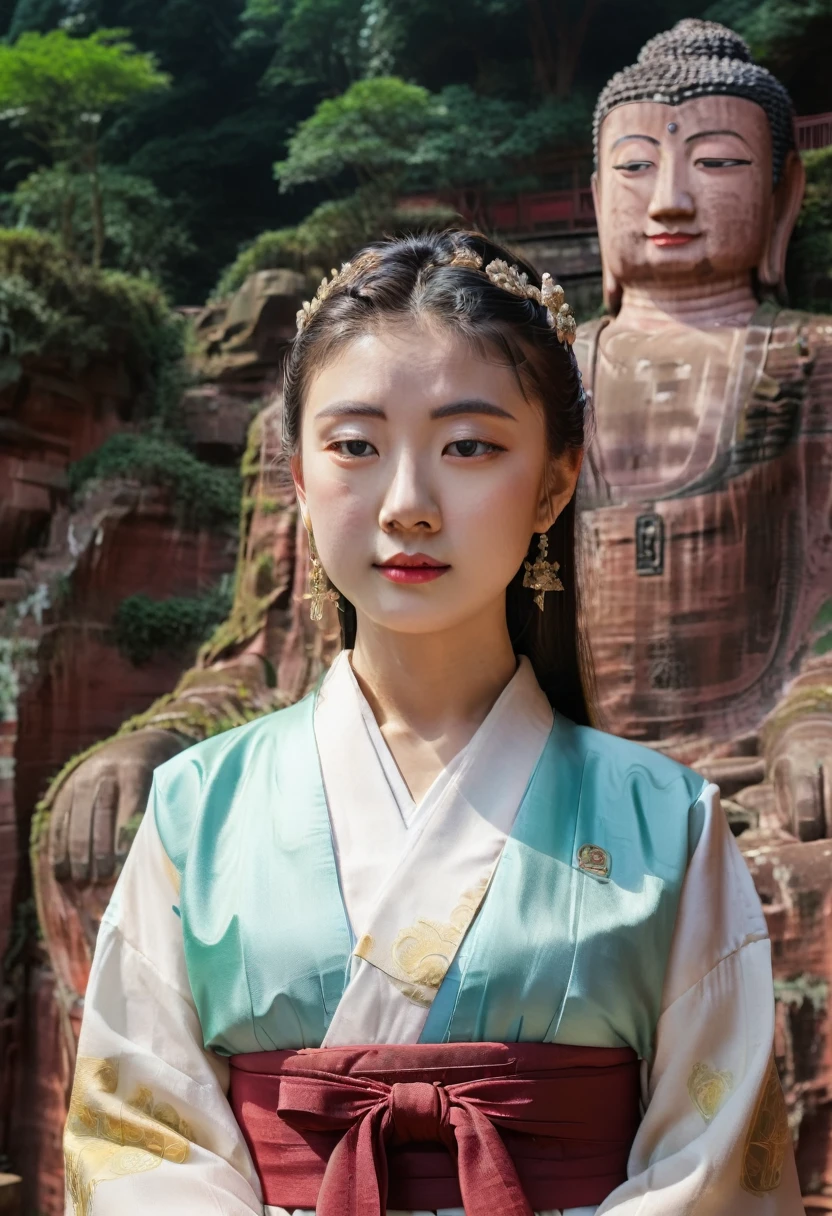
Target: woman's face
<point>421,472</point>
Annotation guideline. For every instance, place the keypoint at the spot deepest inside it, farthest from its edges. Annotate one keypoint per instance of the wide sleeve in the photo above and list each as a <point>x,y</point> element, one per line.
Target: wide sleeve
<point>150,1127</point>
<point>715,1139</point>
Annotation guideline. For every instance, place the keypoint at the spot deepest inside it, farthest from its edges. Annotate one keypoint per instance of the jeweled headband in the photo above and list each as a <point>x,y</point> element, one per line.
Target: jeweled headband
<point>700,59</point>
<point>510,278</point>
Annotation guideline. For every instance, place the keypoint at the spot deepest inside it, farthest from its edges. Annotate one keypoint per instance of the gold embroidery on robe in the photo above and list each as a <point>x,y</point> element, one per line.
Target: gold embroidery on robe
<point>424,951</point>
<point>768,1138</point>
<point>421,954</point>
<point>708,1089</point>
<point>107,1137</point>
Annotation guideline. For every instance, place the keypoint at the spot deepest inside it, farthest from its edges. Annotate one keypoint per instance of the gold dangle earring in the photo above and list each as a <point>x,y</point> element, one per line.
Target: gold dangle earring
<point>543,575</point>
<point>320,588</point>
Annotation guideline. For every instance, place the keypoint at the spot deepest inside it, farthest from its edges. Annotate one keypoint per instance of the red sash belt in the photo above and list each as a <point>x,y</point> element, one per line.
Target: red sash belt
<point>499,1129</point>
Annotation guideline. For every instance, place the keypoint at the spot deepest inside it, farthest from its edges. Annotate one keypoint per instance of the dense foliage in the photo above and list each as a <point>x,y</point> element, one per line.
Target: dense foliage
<point>143,626</point>
<point>50,304</point>
<point>205,494</point>
<point>809,265</point>
<point>140,234</point>
<point>60,91</point>
<point>503,83</point>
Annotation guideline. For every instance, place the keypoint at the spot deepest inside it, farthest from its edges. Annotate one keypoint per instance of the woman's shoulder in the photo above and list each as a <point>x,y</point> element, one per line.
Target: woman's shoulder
<point>636,802</point>
<point>629,759</point>
<point>202,785</point>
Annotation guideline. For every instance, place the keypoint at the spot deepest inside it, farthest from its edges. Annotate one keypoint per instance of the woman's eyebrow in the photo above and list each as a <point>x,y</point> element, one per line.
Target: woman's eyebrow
<point>361,409</point>
<point>354,409</point>
<point>472,405</point>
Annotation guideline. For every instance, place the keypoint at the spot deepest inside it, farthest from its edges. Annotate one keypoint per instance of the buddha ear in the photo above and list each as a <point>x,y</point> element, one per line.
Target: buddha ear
<point>788,197</point>
<point>612,287</point>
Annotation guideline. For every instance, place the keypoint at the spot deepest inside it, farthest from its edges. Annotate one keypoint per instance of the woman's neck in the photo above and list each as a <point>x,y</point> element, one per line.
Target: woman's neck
<point>435,687</point>
<point>728,302</point>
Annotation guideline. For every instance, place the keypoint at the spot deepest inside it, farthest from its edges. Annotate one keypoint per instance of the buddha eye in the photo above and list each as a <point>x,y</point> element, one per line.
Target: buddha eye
<point>634,166</point>
<point>720,162</point>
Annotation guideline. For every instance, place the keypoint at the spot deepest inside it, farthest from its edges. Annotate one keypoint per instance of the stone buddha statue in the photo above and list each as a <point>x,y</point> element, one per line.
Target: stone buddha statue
<point>707,495</point>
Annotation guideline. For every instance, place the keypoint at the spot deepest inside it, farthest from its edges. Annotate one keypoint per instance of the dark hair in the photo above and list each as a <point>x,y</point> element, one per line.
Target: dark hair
<point>412,276</point>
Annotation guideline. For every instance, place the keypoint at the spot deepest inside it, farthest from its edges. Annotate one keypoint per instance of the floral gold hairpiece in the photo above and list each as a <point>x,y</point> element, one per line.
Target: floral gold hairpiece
<point>550,294</point>
<point>310,307</point>
<point>510,278</point>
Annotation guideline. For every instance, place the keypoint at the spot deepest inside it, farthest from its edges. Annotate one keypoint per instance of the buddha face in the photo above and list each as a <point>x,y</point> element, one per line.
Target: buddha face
<point>684,193</point>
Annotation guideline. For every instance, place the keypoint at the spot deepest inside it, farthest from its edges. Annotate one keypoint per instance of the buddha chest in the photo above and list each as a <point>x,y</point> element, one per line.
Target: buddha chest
<point>693,526</point>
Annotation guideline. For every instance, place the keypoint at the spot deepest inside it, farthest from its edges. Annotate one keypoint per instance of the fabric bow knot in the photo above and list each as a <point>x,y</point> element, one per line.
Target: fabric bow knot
<point>375,1115</point>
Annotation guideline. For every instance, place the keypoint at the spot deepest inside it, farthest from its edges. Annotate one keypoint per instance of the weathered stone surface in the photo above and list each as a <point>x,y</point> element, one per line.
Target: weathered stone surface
<point>64,685</point>
<point>793,883</point>
<point>64,575</point>
<point>244,339</point>
<point>706,512</point>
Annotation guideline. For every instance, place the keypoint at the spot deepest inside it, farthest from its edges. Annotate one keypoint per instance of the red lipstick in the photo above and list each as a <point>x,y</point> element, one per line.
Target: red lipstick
<point>412,568</point>
<point>668,240</point>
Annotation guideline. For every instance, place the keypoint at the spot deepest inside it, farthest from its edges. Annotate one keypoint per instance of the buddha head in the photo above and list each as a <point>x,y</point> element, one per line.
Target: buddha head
<point>697,179</point>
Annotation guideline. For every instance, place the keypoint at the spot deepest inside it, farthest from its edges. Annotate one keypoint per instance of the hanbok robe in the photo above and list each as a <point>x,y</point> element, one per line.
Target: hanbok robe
<point>554,885</point>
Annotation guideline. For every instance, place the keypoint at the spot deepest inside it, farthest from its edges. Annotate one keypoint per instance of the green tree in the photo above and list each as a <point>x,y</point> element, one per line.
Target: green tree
<point>791,37</point>
<point>393,137</point>
<point>61,90</point>
<point>142,234</point>
<point>329,235</point>
<point>322,44</point>
<point>374,131</point>
<point>809,263</point>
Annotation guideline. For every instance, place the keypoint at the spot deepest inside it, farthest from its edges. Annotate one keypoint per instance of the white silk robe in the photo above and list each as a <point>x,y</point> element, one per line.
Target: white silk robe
<point>150,1126</point>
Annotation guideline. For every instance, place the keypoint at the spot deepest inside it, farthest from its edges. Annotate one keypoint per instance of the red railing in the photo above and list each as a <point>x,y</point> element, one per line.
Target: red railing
<point>550,210</point>
<point>813,131</point>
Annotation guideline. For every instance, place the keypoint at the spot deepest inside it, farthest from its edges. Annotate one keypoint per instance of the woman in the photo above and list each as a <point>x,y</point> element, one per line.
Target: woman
<point>527,925</point>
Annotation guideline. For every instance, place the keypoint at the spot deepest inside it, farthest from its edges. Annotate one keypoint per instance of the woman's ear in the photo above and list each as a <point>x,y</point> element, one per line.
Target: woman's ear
<point>787,201</point>
<point>296,469</point>
<point>611,285</point>
<point>558,487</point>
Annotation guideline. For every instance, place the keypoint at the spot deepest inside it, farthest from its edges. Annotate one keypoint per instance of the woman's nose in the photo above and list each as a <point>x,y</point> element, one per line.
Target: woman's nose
<point>409,502</point>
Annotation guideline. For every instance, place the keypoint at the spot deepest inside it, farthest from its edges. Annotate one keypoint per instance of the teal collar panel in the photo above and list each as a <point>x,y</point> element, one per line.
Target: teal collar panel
<point>570,944</point>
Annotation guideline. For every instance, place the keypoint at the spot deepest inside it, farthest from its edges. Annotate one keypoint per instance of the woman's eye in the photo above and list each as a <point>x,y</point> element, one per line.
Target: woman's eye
<point>471,447</point>
<point>353,447</point>
<point>720,162</point>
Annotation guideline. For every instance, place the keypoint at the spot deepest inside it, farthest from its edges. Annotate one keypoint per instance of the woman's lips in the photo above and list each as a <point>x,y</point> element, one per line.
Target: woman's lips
<point>669,239</point>
<point>412,568</point>
<point>412,574</point>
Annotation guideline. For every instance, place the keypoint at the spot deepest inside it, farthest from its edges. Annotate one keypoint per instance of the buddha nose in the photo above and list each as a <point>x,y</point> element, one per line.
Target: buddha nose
<point>417,1110</point>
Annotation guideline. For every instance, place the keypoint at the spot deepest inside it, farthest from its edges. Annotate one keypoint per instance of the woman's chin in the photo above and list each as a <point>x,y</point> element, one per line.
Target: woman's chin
<point>414,618</point>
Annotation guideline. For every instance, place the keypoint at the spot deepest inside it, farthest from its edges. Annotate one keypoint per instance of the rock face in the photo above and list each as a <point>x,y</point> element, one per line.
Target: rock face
<point>793,883</point>
<point>63,683</point>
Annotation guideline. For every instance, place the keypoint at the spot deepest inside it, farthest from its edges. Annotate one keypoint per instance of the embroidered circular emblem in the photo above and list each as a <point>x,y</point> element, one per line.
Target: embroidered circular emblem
<point>594,859</point>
